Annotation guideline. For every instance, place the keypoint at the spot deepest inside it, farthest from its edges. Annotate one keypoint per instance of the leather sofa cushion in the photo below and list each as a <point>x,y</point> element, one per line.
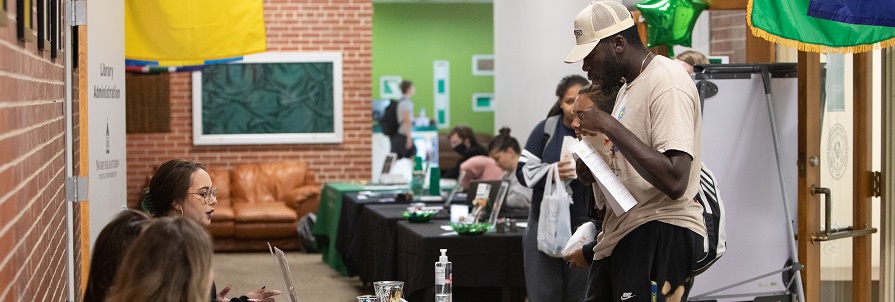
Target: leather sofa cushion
<point>263,212</point>
<point>267,230</point>
<point>221,180</point>
<point>222,213</point>
<point>222,229</point>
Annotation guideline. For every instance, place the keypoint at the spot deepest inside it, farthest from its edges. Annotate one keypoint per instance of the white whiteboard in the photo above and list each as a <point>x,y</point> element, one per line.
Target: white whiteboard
<point>738,147</point>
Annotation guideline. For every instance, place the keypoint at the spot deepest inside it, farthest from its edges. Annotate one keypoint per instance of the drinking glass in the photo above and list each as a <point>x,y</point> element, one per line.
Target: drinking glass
<point>389,291</point>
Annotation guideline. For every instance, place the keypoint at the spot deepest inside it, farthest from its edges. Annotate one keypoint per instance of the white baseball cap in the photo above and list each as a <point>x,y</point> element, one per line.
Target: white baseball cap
<point>600,19</point>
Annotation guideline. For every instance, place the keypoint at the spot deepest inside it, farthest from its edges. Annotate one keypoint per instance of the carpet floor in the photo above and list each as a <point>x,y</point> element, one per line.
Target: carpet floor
<point>314,280</point>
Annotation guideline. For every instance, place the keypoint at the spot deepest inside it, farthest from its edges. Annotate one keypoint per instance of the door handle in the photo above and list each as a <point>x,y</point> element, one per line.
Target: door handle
<point>828,233</point>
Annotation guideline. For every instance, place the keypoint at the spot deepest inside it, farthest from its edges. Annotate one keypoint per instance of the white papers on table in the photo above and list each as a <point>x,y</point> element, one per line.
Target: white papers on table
<point>618,197</point>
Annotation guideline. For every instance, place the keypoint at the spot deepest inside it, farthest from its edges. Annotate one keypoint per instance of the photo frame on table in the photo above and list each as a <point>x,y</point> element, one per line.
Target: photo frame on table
<point>269,98</point>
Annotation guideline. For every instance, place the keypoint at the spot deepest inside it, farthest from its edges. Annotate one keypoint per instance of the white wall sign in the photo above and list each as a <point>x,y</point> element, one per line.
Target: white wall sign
<point>442,88</point>
<point>483,102</point>
<point>390,87</point>
<point>105,105</point>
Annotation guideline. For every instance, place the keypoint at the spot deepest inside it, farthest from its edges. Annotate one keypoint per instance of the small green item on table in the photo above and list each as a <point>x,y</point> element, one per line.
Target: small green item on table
<point>471,228</point>
<point>419,217</point>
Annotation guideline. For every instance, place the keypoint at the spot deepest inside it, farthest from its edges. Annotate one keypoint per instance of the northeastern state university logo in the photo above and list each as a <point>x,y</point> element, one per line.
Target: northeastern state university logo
<point>579,32</point>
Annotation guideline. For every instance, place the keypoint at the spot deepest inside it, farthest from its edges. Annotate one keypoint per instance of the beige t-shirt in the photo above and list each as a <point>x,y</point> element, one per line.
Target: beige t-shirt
<point>661,107</point>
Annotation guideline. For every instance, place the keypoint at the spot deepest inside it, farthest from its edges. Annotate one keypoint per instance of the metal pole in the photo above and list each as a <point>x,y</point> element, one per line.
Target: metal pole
<point>69,223</point>
<point>766,78</point>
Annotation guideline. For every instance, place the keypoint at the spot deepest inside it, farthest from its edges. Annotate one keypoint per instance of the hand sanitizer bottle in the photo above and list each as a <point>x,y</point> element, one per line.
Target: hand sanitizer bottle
<point>443,278</point>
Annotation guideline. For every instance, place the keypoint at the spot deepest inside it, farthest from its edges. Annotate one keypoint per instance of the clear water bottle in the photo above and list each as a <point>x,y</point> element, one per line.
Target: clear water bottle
<point>443,278</point>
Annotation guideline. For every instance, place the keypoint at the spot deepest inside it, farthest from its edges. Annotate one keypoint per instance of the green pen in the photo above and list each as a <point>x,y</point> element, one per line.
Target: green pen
<point>654,289</point>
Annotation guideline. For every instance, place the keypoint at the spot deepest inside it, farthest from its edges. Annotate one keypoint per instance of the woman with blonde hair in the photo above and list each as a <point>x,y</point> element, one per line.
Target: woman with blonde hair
<point>169,261</point>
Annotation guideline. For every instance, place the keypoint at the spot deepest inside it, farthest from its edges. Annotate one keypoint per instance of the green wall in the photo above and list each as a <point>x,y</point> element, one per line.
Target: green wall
<point>407,38</point>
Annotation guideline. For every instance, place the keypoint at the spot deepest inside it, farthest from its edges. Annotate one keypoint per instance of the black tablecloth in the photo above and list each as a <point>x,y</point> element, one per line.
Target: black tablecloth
<point>372,252</point>
<point>488,260</point>
<point>349,222</point>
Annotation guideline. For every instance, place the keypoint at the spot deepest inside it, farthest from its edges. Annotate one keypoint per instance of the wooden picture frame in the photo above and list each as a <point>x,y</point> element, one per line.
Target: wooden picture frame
<point>24,26</point>
<point>270,98</point>
<point>3,10</point>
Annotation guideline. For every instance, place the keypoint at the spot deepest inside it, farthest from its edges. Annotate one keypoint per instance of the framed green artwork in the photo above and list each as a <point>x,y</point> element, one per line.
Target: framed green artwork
<point>269,98</point>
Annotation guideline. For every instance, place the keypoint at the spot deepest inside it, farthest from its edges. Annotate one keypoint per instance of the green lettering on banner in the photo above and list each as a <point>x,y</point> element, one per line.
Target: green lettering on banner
<point>441,116</point>
<point>441,86</point>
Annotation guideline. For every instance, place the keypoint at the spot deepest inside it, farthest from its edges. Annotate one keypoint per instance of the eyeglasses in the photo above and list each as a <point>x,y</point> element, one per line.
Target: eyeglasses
<point>206,195</point>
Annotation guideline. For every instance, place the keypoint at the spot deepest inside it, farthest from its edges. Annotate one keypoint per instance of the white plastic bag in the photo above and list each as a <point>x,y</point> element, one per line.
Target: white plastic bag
<point>554,225</point>
<point>583,235</point>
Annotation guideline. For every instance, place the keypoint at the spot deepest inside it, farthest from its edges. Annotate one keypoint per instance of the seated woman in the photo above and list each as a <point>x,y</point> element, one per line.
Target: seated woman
<point>169,261</point>
<point>111,244</point>
<point>182,188</point>
<point>479,168</point>
<point>505,151</point>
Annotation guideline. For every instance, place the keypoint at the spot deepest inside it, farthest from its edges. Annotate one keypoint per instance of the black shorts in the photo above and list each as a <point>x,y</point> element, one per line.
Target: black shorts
<point>655,259</point>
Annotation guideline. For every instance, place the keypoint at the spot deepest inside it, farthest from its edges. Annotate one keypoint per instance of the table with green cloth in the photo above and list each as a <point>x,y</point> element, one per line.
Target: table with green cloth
<point>329,212</point>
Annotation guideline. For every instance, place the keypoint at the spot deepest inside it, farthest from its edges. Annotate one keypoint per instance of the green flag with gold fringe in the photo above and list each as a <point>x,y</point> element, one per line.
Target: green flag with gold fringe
<point>787,22</point>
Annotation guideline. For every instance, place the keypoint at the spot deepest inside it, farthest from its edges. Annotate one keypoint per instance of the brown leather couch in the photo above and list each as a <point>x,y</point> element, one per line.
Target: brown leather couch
<point>261,203</point>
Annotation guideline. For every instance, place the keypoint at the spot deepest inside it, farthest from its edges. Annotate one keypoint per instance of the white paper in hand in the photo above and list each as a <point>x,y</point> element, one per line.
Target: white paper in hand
<point>568,142</point>
<point>585,233</point>
<point>617,196</point>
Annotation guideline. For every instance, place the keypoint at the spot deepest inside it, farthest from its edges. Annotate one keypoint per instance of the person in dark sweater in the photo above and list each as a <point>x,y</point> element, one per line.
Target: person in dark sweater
<point>548,278</point>
<point>463,141</point>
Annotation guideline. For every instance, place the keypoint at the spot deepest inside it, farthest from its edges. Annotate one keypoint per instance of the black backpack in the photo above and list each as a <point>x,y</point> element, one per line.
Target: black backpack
<point>389,120</point>
<point>713,216</point>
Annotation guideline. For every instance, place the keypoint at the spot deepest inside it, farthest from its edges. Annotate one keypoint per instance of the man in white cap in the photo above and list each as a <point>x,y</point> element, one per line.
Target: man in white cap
<point>652,141</point>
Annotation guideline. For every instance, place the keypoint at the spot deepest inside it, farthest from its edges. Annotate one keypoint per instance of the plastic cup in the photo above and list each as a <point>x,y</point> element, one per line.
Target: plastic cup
<point>389,291</point>
<point>367,298</point>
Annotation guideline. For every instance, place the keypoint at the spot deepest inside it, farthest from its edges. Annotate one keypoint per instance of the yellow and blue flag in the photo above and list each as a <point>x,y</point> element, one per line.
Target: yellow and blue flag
<point>165,33</point>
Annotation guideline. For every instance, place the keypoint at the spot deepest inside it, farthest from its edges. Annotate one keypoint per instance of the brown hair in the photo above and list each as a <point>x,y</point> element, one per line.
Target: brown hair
<point>168,185</point>
<point>464,132</point>
<point>169,261</point>
<point>602,98</point>
<point>692,57</point>
<point>111,244</point>
<point>504,141</point>
<point>405,85</point>
<point>564,84</point>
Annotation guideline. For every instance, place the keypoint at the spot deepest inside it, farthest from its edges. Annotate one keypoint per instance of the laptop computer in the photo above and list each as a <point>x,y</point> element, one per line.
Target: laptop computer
<point>280,259</point>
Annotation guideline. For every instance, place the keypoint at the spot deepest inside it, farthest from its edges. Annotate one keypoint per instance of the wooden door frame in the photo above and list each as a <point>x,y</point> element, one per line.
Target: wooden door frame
<point>809,172</point>
<point>862,246</point>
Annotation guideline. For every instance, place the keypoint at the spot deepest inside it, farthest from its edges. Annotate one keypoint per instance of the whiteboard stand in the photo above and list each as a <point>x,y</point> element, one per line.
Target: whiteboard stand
<point>793,284</point>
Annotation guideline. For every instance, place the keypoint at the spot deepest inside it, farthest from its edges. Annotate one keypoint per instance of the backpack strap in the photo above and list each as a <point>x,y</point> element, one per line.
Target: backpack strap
<point>550,128</point>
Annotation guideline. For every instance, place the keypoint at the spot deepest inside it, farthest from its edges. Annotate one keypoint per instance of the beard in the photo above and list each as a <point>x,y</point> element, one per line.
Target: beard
<point>613,73</point>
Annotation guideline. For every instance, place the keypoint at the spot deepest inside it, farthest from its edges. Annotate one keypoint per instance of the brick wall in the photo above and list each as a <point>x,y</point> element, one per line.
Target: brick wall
<point>309,25</point>
<point>32,171</point>
<point>729,34</point>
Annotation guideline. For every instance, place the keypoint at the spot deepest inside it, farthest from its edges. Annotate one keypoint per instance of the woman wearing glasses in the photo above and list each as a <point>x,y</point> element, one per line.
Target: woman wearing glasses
<point>182,188</point>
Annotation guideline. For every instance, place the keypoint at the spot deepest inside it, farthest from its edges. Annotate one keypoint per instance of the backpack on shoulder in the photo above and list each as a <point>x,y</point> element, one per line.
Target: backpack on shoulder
<point>389,120</point>
<point>713,216</point>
